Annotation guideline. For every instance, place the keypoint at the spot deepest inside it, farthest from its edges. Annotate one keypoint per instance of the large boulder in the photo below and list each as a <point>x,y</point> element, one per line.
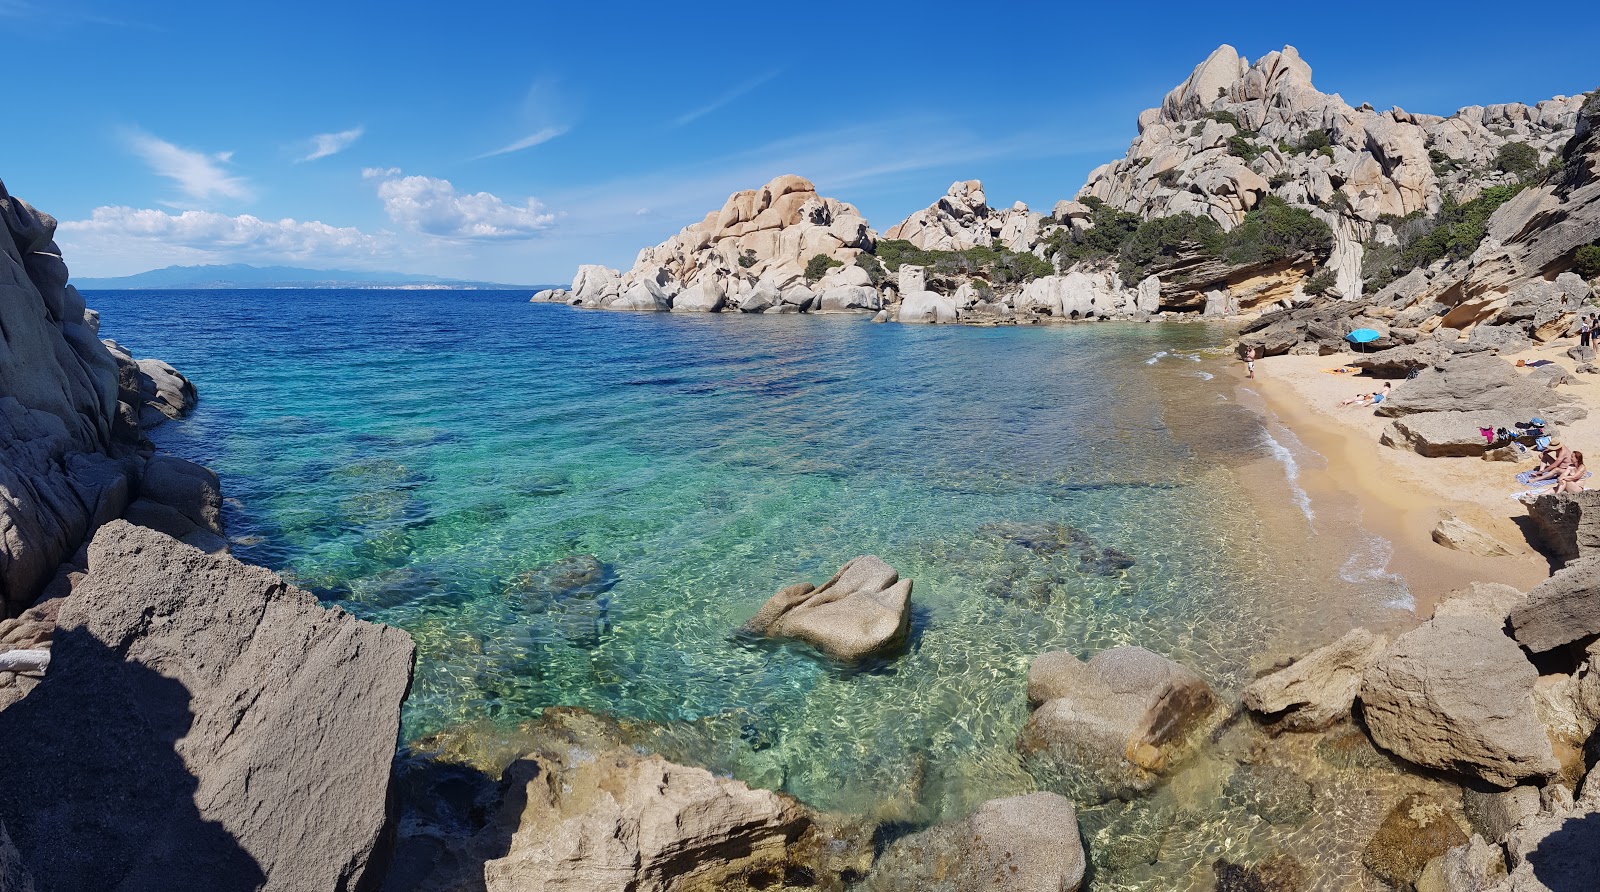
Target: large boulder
<point>926,306</point>
<point>1120,716</point>
<point>1558,849</point>
<point>1413,833</point>
<point>863,611</point>
<point>1457,535</point>
<point>618,820</point>
<point>1025,843</point>
<point>1560,610</point>
<point>1567,524</point>
<point>1457,694</point>
<point>1477,382</point>
<point>203,725</point>
<point>1445,434</point>
<point>1318,689</point>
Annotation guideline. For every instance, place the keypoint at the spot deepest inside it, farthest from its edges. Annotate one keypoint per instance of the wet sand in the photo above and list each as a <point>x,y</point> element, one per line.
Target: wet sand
<point>1400,495</point>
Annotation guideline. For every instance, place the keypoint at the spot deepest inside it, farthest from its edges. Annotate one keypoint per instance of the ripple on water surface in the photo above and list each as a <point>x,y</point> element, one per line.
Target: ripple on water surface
<point>581,508</point>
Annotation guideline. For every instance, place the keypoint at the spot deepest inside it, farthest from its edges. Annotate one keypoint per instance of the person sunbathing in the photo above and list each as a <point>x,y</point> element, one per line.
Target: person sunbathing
<point>1556,459</point>
<point>1368,399</point>
<point>1571,480</point>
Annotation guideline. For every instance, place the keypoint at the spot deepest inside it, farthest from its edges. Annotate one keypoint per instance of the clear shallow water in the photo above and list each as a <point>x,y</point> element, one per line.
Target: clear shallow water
<point>581,508</point>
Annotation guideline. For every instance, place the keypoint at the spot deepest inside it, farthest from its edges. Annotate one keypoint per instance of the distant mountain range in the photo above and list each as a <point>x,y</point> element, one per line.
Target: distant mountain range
<point>240,275</point>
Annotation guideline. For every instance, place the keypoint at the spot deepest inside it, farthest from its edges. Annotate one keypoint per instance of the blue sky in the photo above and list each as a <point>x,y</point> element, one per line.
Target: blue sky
<point>511,144</point>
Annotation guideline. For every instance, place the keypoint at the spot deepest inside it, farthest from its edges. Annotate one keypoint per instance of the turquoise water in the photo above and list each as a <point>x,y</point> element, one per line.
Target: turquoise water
<point>581,508</point>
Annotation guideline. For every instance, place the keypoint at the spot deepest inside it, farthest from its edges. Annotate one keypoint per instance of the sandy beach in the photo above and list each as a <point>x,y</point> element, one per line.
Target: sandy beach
<point>1402,495</point>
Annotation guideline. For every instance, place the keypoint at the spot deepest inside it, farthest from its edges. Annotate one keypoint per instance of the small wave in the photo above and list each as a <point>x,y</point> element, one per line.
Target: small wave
<point>1370,563</point>
<point>1291,471</point>
<point>1205,376</point>
<point>1156,358</point>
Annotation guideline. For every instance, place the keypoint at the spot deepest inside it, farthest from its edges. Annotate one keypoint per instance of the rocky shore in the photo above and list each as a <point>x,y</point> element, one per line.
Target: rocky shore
<point>173,718</point>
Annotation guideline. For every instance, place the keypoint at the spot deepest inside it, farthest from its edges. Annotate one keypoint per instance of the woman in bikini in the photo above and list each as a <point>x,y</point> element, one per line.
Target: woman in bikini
<point>1571,480</point>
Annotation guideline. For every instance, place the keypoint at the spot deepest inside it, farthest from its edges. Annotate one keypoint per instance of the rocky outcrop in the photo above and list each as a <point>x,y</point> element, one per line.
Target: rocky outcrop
<point>71,411</point>
<point>202,724</point>
<point>1318,689</point>
<point>863,611</point>
<point>962,219</point>
<point>757,245</point>
<point>1557,849</point>
<point>1447,433</point>
<point>1023,843</point>
<point>1568,524</point>
<point>1478,383</point>
<point>619,820</point>
<point>1486,600</point>
<point>1457,535</point>
<point>1560,610</point>
<point>1120,716</point>
<point>1457,694</point>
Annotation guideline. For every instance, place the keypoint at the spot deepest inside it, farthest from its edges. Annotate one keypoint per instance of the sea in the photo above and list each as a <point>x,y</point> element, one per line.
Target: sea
<point>581,508</point>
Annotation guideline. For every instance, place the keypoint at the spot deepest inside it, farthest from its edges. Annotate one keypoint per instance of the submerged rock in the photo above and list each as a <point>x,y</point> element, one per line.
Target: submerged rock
<point>1023,843</point>
<point>1457,694</point>
<point>1415,831</point>
<point>571,594</point>
<point>1318,689</point>
<point>1116,718</point>
<point>863,611</point>
<point>1048,539</point>
<point>1279,873</point>
<point>202,721</point>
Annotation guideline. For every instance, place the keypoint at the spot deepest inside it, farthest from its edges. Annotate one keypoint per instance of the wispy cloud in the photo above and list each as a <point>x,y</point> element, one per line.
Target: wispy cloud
<point>527,142</point>
<point>433,206</point>
<point>374,173</point>
<point>724,99</point>
<point>325,144</point>
<point>201,177</point>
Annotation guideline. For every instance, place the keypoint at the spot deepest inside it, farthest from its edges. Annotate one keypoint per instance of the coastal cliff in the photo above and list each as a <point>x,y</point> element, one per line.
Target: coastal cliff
<point>170,718</point>
<point>1247,190</point>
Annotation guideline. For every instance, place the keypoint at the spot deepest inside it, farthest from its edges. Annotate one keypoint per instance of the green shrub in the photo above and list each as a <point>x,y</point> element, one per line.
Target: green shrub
<point>818,266</point>
<point>1453,234</point>
<point>1276,230</point>
<point>748,259</point>
<point>1242,148</point>
<point>1315,141</point>
<point>1517,158</point>
<point>1225,117</point>
<point>1158,241</point>
<point>873,266</point>
<point>1588,262</point>
<point>1338,201</point>
<point>994,264</point>
<point>1108,229</point>
<point>1326,152</point>
<point>1321,282</point>
<point>1278,180</point>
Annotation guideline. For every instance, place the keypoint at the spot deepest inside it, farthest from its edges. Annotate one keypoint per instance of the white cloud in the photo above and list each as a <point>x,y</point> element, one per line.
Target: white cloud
<point>433,206</point>
<point>527,142</point>
<point>200,176</point>
<point>375,173</point>
<point>118,231</point>
<point>722,100</point>
<point>325,144</point>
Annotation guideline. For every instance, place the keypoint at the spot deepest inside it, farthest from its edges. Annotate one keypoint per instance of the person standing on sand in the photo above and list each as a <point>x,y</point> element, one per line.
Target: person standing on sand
<point>1586,331</point>
<point>1250,362</point>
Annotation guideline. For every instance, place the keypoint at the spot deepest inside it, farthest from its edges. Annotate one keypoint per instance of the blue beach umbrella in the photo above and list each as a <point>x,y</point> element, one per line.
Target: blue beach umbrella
<point>1363,335</point>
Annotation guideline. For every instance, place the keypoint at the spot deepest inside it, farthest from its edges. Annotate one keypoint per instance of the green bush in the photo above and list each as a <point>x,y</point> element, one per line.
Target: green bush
<point>1517,158</point>
<point>1453,234</point>
<point>1157,242</point>
<point>1315,141</point>
<point>748,259</point>
<point>995,264</point>
<point>818,266</point>
<point>1276,230</point>
<point>1108,229</point>
<point>1225,117</point>
<point>1321,282</point>
<point>873,266</point>
<point>1242,148</point>
<point>1588,262</point>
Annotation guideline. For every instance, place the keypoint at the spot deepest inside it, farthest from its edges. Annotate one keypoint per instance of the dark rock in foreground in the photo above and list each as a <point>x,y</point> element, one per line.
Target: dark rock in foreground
<point>1560,610</point>
<point>204,726</point>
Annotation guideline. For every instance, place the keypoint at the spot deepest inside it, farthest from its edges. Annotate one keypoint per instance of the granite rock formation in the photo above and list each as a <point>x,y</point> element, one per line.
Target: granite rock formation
<point>202,725</point>
<point>863,611</point>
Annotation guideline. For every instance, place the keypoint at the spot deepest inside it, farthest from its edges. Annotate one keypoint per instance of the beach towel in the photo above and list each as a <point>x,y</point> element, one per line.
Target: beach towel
<point>1538,362</point>
<point>1543,488</point>
<point>1342,370</point>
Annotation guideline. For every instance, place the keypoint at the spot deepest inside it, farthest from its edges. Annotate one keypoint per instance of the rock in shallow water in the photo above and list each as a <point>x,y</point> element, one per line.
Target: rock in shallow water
<point>1113,722</point>
<point>863,611</point>
<point>1415,831</point>
<point>1319,689</point>
<point>1023,843</point>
